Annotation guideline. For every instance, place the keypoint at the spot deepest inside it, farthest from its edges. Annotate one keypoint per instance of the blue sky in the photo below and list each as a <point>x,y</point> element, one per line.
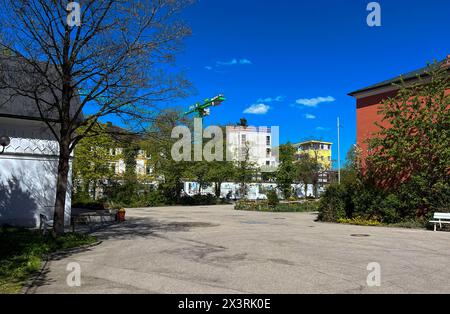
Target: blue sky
<point>295,61</point>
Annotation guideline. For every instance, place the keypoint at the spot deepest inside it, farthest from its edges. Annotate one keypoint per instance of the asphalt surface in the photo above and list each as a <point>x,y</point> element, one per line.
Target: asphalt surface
<point>215,249</point>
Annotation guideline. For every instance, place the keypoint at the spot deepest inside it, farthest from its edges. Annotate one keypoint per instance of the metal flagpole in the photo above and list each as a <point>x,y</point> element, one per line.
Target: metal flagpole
<point>339,152</point>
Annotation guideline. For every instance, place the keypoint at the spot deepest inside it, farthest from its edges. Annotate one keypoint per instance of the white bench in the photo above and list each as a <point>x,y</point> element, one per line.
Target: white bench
<point>440,218</point>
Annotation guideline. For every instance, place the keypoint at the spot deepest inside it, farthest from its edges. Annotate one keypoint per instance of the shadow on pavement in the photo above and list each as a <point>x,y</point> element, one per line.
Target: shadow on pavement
<point>42,278</point>
<point>140,227</point>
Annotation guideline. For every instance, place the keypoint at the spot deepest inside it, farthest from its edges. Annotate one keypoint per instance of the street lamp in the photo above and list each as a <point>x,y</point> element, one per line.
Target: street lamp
<point>4,141</point>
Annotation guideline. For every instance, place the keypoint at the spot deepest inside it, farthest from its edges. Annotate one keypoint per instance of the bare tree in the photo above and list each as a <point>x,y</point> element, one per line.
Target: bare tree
<point>114,63</point>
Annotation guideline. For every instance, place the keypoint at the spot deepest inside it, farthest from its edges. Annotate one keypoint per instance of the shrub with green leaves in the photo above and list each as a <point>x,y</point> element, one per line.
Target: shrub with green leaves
<point>333,203</point>
<point>272,198</point>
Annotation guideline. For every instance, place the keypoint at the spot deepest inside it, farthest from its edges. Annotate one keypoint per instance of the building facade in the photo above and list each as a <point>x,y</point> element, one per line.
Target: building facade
<point>259,143</point>
<point>29,162</point>
<point>369,99</point>
<point>28,168</point>
<point>319,150</point>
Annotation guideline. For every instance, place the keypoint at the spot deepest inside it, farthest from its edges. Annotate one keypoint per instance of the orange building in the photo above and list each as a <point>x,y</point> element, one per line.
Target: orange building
<point>369,99</point>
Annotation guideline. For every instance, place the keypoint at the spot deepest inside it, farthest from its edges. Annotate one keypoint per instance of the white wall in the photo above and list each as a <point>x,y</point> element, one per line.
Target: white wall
<point>253,192</point>
<point>28,170</point>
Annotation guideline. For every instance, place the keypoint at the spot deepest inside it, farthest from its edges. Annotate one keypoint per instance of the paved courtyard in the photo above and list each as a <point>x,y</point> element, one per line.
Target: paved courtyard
<point>215,249</point>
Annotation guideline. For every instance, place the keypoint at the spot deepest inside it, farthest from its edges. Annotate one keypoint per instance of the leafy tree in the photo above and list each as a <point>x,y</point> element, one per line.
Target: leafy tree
<point>306,171</point>
<point>199,172</point>
<point>158,144</point>
<point>242,122</point>
<point>412,150</point>
<point>92,162</point>
<point>245,169</point>
<point>130,153</point>
<point>286,170</point>
<point>219,172</point>
<point>113,60</point>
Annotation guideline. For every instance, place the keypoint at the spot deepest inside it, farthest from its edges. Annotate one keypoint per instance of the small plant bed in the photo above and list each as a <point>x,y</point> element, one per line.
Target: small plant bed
<point>265,206</point>
<point>22,251</point>
<point>360,221</point>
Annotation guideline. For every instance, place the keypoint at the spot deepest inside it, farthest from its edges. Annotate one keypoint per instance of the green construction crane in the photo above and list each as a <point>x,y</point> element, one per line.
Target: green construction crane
<point>203,110</point>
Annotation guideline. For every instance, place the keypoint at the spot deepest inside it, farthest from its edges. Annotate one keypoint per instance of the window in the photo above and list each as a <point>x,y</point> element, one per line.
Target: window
<point>267,163</point>
<point>243,139</point>
<point>268,140</point>
<point>268,152</point>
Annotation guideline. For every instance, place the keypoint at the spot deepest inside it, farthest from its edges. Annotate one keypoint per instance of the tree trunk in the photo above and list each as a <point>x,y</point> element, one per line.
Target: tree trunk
<point>61,186</point>
<point>217,188</point>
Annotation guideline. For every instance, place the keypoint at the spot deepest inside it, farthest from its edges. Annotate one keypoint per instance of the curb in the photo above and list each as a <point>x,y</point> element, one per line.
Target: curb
<point>31,282</point>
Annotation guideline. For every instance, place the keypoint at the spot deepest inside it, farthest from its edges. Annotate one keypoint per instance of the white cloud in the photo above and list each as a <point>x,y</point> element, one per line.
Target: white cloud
<point>321,128</point>
<point>233,61</point>
<point>270,99</point>
<point>257,109</point>
<point>245,61</point>
<point>309,116</point>
<point>208,68</point>
<point>227,63</point>
<point>313,102</point>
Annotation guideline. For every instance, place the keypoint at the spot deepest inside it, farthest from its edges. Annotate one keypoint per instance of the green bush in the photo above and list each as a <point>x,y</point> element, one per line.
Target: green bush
<point>272,198</point>
<point>264,206</point>
<point>404,204</point>
<point>389,209</point>
<point>154,198</point>
<point>197,199</point>
<point>333,203</point>
<point>308,206</point>
<point>252,205</point>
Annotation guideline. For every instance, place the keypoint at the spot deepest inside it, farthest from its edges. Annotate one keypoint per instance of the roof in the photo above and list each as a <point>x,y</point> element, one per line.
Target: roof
<point>15,75</point>
<point>120,134</point>
<point>422,72</point>
<point>259,129</point>
<point>312,142</point>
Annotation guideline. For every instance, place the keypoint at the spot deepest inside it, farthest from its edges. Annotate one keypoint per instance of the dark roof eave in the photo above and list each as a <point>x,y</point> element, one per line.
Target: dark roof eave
<point>391,83</point>
<point>414,75</point>
<point>20,117</point>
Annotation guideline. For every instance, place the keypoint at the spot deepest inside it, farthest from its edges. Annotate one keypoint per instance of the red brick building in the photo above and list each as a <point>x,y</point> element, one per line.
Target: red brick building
<point>368,100</point>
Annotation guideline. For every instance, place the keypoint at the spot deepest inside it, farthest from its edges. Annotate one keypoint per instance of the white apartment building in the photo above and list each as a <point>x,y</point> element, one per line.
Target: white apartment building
<point>260,143</point>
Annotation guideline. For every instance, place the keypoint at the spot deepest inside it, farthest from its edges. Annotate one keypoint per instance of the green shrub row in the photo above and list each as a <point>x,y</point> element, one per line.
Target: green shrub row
<point>266,206</point>
<point>404,204</point>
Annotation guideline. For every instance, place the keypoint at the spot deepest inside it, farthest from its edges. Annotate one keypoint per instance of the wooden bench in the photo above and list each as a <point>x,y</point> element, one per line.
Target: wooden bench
<point>440,218</point>
<point>88,215</point>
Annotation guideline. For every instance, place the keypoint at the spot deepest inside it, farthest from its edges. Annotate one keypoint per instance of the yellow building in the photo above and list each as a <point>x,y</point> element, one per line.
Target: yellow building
<point>316,149</point>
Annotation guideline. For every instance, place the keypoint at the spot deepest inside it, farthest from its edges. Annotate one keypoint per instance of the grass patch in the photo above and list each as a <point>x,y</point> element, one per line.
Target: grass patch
<point>22,251</point>
<point>408,224</point>
<point>412,224</point>
<point>304,207</point>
